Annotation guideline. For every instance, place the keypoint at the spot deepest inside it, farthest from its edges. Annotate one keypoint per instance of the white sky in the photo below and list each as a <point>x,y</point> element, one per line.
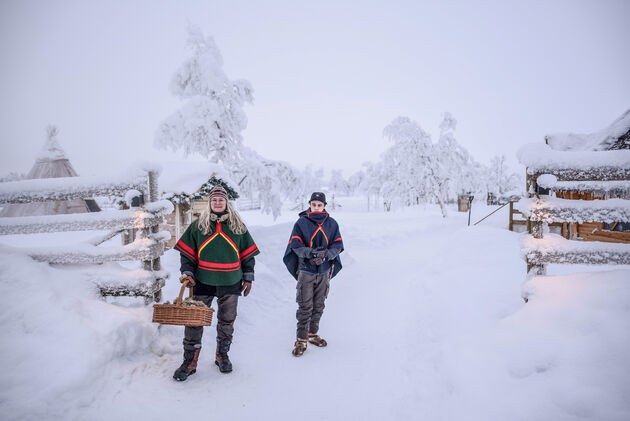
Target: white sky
<point>328,75</point>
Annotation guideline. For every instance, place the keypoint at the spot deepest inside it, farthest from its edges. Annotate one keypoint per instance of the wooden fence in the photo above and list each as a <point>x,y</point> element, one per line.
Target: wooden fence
<point>96,262</point>
<point>542,210</point>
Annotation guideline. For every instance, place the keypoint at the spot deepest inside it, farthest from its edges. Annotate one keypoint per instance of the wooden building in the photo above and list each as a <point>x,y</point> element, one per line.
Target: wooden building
<point>183,183</point>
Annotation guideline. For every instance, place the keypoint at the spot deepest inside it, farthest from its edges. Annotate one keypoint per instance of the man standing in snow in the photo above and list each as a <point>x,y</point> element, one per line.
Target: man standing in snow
<point>217,260</point>
<point>312,257</point>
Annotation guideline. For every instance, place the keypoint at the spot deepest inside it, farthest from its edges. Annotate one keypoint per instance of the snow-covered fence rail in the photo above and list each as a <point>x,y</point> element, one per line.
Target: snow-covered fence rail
<point>551,209</point>
<point>556,249</point>
<point>110,219</point>
<point>66,188</point>
<point>145,219</point>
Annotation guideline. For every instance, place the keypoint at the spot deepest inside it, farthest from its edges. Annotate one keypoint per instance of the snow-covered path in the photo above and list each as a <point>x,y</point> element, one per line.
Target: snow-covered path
<point>385,322</point>
<point>425,321</point>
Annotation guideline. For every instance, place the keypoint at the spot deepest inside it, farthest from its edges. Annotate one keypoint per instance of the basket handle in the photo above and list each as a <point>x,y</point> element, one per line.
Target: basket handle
<point>181,293</point>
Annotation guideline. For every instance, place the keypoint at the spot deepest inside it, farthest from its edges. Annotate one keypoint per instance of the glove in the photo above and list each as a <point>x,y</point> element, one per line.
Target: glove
<point>186,277</point>
<point>316,261</point>
<point>319,253</point>
<point>247,286</point>
<point>331,254</point>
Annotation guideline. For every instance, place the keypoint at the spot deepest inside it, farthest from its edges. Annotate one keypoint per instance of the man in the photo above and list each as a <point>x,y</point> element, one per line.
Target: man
<point>312,257</point>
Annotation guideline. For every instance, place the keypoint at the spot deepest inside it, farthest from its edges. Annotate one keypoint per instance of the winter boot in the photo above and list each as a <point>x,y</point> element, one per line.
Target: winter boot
<point>299,347</point>
<point>189,366</point>
<point>317,340</point>
<point>222,359</point>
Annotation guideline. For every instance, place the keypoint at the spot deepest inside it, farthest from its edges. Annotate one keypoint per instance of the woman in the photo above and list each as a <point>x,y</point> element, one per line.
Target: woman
<point>217,259</point>
<point>312,257</point>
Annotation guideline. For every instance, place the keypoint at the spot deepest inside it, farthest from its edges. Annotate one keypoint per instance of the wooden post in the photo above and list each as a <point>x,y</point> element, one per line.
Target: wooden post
<point>536,270</point>
<point>530,185</point>
<point>178,224</point>
<point>155,264</point>
<point>511,226</point>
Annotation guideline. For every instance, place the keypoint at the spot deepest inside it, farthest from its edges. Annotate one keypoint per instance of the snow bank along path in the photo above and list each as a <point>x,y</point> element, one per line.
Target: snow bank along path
<point>424,322</point>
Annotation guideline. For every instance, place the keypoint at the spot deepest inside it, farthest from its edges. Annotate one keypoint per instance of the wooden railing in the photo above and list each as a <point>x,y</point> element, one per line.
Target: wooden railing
<point>143,219</point>
<point>542,210</point>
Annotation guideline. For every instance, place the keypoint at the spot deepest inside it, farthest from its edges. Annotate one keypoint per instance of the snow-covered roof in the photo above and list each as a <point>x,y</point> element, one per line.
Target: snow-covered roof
<point>52,150</point>
<point>542,157</point>
<point>599,141</point>
<point>188,176</point>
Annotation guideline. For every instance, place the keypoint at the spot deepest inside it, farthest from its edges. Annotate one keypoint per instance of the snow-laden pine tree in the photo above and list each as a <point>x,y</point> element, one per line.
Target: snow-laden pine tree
<point>210,123</point>
<point>211,119</point>
<point>412,165</point>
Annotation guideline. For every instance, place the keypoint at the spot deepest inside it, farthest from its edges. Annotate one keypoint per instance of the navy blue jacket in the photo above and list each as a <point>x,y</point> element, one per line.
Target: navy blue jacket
<point>313,230</point>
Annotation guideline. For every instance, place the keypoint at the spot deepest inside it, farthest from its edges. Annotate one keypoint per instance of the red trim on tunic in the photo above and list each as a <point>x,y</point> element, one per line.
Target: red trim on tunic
<point>181,246</point>
<point>319,228</point>
<point>338,239</point>
<point>213,265</point>
<point>251,249</point>
<point>217,270</point>
<point>249,254</point>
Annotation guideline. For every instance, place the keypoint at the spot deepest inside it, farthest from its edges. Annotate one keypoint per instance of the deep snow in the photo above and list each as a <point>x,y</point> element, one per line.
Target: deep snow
<point>425,321</point>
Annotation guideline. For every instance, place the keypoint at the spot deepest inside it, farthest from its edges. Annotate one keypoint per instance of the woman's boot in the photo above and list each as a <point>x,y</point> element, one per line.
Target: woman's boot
<point>222,359</point>
<point>189,366</point>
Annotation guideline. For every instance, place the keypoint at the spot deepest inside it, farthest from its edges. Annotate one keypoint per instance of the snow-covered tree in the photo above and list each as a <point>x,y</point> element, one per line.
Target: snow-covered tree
<point>338,184</point>
<point>500,180</point>
<point>211,120</point>
<point>210,123</point>
<point>412,165</point>
<point>456,166</point>
<point>355,182</point>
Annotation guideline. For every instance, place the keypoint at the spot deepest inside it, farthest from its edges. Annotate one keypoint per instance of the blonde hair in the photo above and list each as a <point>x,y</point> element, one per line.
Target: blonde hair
<point>234,220</point>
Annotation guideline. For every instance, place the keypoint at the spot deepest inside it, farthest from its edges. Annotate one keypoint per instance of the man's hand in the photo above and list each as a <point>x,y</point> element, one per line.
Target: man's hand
<point>319,253</point>
<point>316,261</point>
<point>247,287</point>
<point>190,279</point>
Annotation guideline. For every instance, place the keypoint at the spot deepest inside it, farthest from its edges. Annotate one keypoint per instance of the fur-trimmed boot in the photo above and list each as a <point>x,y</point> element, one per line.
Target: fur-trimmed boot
<point>222,359</point>
<point>189,366</point>
<point>317,340</point>
<point>299,347</point>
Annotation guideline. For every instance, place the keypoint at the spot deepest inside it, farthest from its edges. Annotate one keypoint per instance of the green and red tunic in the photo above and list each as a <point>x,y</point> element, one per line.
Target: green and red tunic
<point>217,256</point>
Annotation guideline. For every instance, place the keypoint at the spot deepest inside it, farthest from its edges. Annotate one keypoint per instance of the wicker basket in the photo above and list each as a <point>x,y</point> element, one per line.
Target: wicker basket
<point>181,315</point>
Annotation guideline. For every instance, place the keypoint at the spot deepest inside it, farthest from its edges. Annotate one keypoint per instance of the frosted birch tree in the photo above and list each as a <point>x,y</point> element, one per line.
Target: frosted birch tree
<point>500,180</point>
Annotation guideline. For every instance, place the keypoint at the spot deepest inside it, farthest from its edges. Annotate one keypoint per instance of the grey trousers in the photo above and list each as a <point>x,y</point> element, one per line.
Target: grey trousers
<point>226,315</point>
<point>312,290</point>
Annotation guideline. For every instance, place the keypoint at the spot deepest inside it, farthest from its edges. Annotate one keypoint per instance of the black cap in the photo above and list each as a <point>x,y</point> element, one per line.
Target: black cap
<point>318,196</point>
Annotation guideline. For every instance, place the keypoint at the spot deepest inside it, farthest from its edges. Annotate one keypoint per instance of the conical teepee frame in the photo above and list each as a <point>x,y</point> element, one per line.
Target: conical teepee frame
<point>51,163</point>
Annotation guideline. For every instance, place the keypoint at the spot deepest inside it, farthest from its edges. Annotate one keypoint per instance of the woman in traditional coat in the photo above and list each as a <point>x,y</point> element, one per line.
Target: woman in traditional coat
<point>312,257</point>
<point>217,259</point>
